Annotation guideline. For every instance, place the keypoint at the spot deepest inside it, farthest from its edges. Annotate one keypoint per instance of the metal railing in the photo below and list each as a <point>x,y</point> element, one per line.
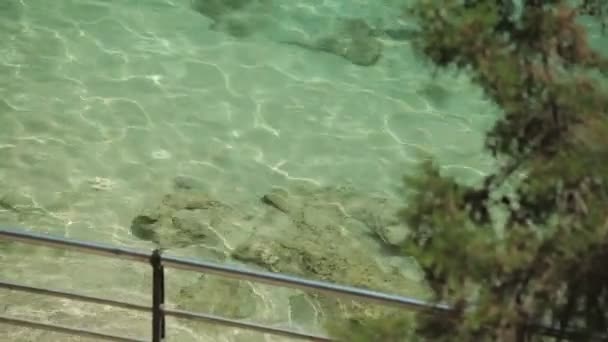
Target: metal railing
<point>159,311</point>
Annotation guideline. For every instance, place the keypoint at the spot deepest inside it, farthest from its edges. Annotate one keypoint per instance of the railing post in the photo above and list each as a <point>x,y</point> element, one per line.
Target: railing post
<point>158,297</point>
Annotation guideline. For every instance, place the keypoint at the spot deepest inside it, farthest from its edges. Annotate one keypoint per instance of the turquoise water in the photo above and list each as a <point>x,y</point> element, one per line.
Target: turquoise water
<point>103,103</point>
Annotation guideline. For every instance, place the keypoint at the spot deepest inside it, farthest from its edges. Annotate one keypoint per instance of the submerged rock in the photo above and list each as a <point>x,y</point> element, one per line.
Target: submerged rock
<point>278,198</point>
<point>188,216</point>
<point>393,235</point>
<point>215,9</point>
<point>16,207</point>
<point>182,219</point>
<point>13,201</point>
<point>312,259</point>
<point>220,296</point>
<point>235,26</point>
<point>330,234</point>
<point>238,18</point>
<point>401,34</point>
<point>353,39</point>
<point>186,183</point>
<point>324,243</point>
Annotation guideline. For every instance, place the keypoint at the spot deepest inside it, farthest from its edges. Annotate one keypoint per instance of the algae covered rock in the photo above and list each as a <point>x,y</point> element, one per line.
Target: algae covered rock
<point>334,234</point>
<point>220,296</point>
<point>312,259</point>
<point>325,241</point>
<point>17,207</point>
<point>278,198</point>
<point>235,26</point>
<point>181,219</point>
<point>351,38</point>
<point>342,207</point>
<point>301,258</point>
<point>217,8</point>
<point>238,18</point>
<point>186,183</point>
<point>13,200</point>
<point>393,235</point>
<point>358,43</point>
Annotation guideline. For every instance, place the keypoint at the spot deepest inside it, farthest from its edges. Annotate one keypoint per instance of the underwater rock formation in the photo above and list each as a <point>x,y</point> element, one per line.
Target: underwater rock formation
<point>350,38</point>
<point>16,207</point>
<point>188,216</point>
<point>353,39</point>
<point>392,235</point>
<point>237,18</point>
<point>182,218</point>
<point>317,233</point>
<point>323,243</point>
<point>215,9</point>
<point>230,298</point>
<point>400,34</point>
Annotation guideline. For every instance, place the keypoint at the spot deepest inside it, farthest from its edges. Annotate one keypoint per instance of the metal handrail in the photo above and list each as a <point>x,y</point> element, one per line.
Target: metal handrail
<point>245,325</point>
<point>138,307</point>
<point>198,266</point>
<point>159,311</point>
<point>307,285</point>
<point>230,271</point>
<point>66,330</point>
<point>74,296</point>
<point>21,235</point>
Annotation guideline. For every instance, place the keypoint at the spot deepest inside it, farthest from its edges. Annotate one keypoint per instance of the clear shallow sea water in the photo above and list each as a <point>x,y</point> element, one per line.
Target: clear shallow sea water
<point>104,102</point>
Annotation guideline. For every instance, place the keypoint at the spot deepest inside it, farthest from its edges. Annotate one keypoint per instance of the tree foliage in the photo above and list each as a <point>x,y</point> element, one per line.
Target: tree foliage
<point>529,242</point>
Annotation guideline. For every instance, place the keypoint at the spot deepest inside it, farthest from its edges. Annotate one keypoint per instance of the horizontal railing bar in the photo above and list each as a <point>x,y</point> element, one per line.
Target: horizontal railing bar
<point>305,284</point>
<point>239,273</point>
<point>81,246</point>
<point>65,330</point>
<point>233,272</point>
<point>176,313</point>
<point>244,325</point>
<point>74,296</point>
